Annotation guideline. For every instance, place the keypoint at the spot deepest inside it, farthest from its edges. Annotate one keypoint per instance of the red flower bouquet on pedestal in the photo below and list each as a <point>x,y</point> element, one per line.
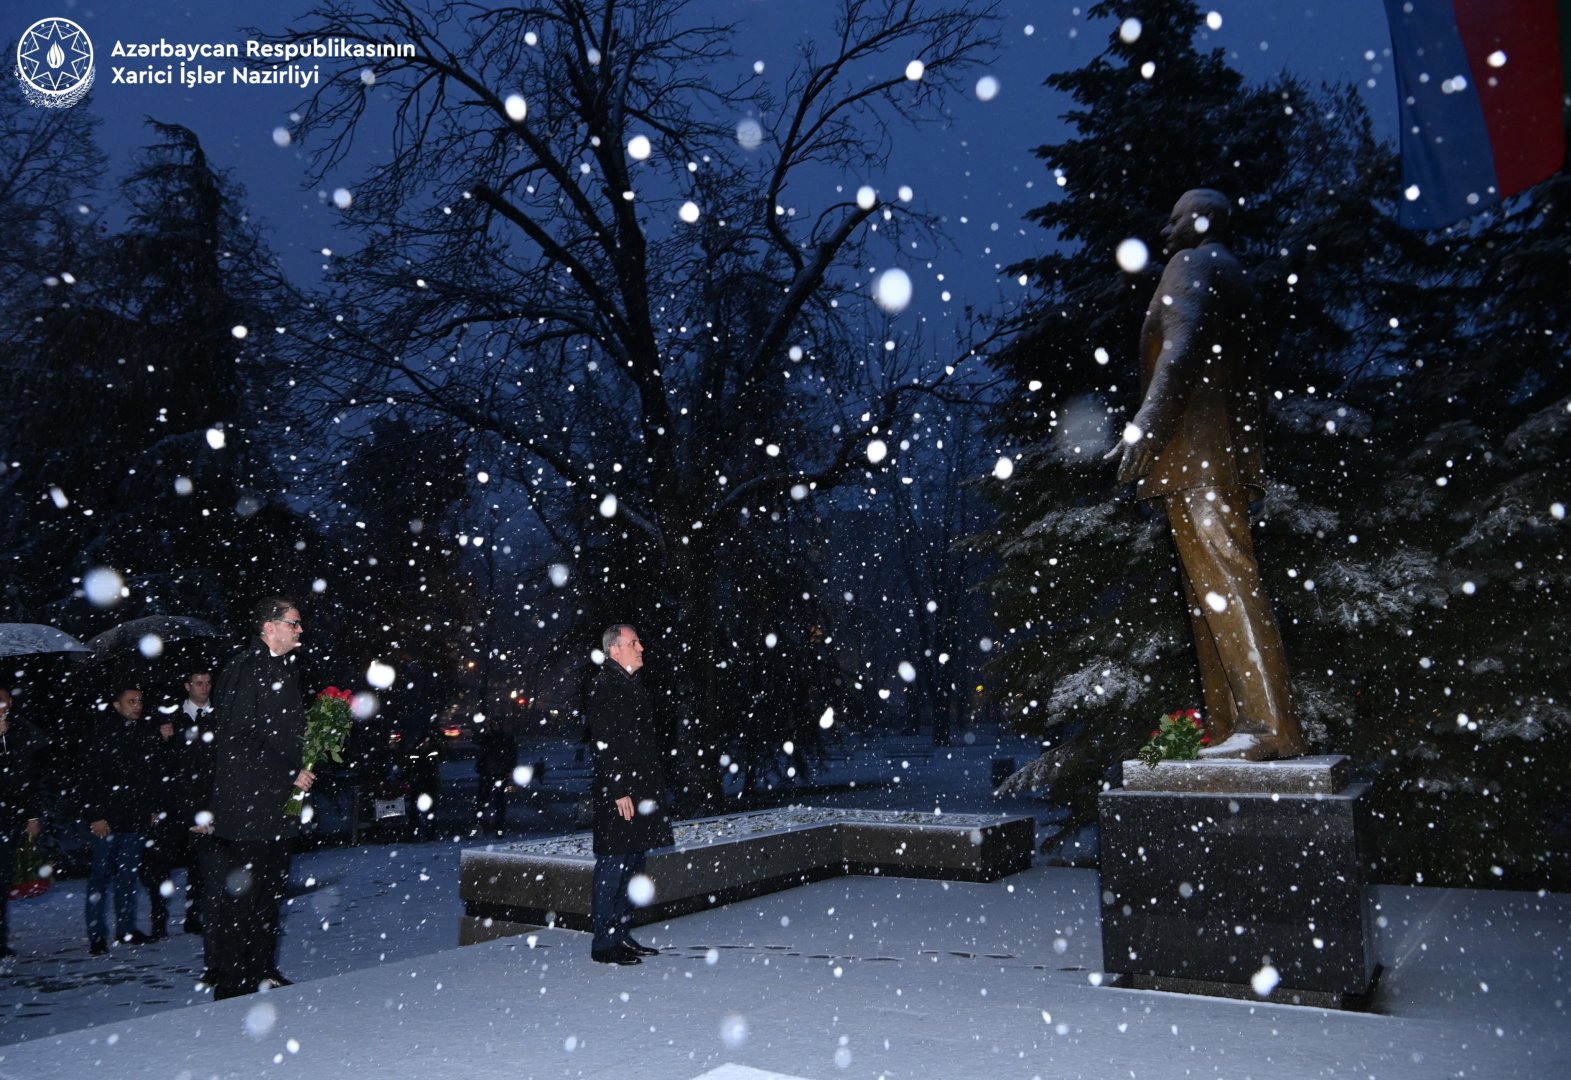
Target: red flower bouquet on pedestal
<point>1178,737</point>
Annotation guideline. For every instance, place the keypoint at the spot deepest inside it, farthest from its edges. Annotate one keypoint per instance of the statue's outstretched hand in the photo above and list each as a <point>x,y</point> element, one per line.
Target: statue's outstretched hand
<point>1134,459</point>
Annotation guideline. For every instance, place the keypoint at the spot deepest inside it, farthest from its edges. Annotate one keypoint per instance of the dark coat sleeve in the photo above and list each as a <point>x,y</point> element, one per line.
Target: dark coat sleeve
<point>21,789</point>
<point>89,779</point>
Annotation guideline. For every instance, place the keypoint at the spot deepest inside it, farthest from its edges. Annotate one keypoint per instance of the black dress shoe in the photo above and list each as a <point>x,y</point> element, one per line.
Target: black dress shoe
<point>97,946</point>
<point>135,937</point>
<point>638,949</point>
<point>615,956</point>
<point>276,977</point>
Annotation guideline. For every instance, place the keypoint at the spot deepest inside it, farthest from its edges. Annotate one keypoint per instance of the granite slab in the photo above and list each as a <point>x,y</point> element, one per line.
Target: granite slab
<point>1322,774</point>
<point>518,887</point>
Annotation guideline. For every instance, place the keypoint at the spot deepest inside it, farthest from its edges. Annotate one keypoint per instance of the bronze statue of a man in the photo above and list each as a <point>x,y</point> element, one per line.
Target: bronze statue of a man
<point>1195,444</point>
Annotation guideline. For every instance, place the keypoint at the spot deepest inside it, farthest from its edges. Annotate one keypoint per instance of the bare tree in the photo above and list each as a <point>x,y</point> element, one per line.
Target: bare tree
<point>583,246</point>
<point>945,612</point>
<point>50,168</point>
<point>50,165</point>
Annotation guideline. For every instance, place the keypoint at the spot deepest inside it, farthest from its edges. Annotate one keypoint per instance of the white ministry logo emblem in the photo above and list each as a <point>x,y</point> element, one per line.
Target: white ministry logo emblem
<point>54,63</point>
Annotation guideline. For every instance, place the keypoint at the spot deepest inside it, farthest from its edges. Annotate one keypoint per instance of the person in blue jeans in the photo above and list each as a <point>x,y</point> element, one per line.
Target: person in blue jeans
<point>119,778</point>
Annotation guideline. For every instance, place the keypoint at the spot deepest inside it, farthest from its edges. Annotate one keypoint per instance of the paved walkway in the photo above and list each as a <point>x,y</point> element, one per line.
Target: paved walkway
<point>873,977</point>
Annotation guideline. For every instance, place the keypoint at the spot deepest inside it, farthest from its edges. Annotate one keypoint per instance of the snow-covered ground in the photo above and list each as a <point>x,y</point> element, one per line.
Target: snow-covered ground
<point>851,977</point>
<point>382,902</point>
<point>848,977</point>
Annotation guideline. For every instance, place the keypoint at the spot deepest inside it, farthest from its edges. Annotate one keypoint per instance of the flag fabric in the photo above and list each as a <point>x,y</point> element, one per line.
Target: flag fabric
<point>1482,87</point>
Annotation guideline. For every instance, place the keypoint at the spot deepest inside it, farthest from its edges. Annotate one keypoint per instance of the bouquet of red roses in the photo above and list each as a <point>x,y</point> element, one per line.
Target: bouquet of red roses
<point>1178,737</point>
<point>30,872</point>
<point>327,724</point>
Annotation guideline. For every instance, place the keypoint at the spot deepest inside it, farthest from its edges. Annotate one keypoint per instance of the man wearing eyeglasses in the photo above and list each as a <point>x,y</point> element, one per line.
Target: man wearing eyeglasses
<point>259,724</point>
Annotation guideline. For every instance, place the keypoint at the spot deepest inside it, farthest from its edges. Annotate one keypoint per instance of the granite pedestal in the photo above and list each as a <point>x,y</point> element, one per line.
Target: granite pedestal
<point>1239,879</point>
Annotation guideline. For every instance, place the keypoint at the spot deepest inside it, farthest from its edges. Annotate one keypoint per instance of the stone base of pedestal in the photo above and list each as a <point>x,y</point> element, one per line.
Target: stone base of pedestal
<point>1315,999</point>
<point>1240,881</point>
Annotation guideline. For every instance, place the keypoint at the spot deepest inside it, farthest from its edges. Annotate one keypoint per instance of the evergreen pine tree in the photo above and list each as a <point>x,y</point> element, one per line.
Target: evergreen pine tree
<point>135,448</point>
<point>1467,720</point>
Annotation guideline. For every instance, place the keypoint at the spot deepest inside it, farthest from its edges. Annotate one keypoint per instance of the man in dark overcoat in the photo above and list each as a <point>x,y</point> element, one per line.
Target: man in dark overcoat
<point>494,765</point>
<point>629,793</point>
<point>259,729</point>
<point>169,837</point>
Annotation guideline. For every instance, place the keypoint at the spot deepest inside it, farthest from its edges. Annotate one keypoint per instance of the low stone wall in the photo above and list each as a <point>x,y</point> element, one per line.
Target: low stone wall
<point>518,887</point>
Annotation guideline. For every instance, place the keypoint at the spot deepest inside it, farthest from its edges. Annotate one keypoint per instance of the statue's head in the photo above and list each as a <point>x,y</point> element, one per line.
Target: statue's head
<point>1200,214</point>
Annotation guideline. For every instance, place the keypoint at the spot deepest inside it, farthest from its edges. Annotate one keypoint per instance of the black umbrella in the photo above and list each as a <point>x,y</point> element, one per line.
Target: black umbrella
<point>153,654</point>
<point>149,635</point>
<point>29,639</point>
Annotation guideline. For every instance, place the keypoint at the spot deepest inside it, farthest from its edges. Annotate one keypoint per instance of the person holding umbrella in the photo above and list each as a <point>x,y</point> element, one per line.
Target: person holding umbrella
<point>21,752</point>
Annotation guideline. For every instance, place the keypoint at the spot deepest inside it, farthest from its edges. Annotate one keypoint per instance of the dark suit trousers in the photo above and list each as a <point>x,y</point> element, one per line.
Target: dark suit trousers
<point>240,927</point>
<point>610,909</point>
<point>169,844</point>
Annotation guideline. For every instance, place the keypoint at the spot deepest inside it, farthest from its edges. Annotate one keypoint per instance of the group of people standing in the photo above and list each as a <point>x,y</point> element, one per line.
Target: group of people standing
<point>137,785</point>
<point>209,791</point>
<point>141,783</point>
<point>203,787</point>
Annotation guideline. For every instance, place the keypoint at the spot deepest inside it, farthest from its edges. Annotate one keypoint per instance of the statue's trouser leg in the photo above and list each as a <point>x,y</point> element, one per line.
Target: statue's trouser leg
<point>1220,708</point>
<point>1236,637</point>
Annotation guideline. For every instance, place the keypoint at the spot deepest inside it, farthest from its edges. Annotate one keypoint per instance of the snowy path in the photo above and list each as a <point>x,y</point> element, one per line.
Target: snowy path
<point>353,908</point>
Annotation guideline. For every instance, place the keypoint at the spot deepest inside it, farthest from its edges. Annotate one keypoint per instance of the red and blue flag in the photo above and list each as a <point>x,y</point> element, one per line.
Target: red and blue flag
<point>1482,87</point>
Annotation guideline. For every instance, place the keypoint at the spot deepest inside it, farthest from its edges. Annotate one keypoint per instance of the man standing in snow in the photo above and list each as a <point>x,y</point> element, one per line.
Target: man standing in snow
<point>119,804</point>
<point>21,798</point>
<point>628,790</point>
<point>168,838</point>
<point>259,726</point>
<point>183,760</point>
<point>1195,444</point>
<point>494,765</point>
<point>198,712</point>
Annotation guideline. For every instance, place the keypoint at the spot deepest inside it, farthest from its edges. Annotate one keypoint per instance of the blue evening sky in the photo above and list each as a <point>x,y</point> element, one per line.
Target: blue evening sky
<point>976,169</point>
